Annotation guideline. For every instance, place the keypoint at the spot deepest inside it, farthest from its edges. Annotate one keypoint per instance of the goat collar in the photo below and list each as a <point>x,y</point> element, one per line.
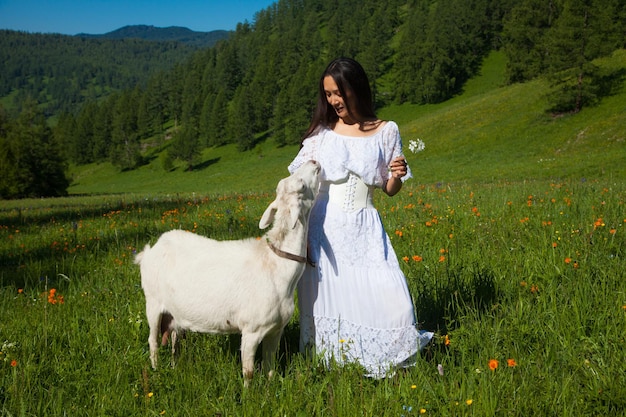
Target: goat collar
<point>287,255</point>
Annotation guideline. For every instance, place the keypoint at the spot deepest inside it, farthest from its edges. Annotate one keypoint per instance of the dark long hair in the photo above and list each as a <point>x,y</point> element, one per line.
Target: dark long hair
<point>353,85</point>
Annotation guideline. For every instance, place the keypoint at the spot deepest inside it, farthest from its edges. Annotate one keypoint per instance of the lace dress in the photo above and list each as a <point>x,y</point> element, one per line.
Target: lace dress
<point>354,304</point>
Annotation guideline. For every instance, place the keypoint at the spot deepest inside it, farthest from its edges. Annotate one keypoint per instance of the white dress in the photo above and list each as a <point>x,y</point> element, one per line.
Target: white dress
<point>354,303</point>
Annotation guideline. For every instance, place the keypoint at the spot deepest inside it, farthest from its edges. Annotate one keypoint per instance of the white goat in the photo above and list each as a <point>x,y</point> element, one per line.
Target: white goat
<point>238,286</point>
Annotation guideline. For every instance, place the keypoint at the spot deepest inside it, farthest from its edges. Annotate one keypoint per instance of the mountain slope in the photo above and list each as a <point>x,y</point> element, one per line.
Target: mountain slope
<point>505,133</point>
<point>490,133</point>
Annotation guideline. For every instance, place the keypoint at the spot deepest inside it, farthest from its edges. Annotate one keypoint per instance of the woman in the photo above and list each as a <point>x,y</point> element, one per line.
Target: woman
<point>354,302</point>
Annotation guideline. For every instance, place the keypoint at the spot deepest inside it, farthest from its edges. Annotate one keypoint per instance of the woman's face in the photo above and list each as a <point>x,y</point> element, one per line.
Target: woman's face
<point>335,99</point>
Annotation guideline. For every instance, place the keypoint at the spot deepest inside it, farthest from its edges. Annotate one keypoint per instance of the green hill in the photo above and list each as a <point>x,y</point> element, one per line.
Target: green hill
<point>166,34</point>
<point>62,72</point>
<point>489,133</point>
<point>494,133</point>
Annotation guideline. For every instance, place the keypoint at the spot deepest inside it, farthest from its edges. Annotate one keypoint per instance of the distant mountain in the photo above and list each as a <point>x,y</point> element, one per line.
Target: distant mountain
<point>171,33</point>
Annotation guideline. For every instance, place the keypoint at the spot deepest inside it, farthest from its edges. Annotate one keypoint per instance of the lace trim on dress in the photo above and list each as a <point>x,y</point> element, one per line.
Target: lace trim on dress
<point>379,351</point>
<point>367,157</point>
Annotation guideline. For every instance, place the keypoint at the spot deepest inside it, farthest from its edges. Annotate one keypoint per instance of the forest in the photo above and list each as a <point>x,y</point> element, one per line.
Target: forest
<point>62,72</point>
<point>261,82</point>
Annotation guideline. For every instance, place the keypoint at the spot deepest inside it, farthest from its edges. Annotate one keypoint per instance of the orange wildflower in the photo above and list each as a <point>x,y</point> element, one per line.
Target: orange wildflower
<point>568,260</point>
<point>13,363</point>
<point>53,298</point>
<point>417,258</point>
<point>493,364</point>
<point>446,340</point>
<point>442,258</point>
<point>511,363</point>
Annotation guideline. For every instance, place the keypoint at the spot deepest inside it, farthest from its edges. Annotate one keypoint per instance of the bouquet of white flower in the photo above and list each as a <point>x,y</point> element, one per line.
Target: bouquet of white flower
<point>416,145</point>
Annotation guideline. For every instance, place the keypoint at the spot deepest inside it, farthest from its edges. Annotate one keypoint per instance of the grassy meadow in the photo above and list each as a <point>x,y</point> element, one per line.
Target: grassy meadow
<point>512,236</point>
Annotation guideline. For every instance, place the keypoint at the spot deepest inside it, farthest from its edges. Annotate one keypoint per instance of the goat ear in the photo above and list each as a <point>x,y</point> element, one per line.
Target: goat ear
<point>294,214</point>
<point>268,216</point>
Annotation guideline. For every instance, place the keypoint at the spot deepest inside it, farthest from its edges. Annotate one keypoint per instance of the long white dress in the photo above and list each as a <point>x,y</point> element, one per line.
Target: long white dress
<point>354,303</point>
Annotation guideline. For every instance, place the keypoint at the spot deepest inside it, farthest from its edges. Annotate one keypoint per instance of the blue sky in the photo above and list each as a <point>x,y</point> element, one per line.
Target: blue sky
<point>100,16</point>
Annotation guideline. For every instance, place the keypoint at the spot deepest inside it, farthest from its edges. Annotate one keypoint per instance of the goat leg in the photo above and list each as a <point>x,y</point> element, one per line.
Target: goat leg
<point>249,344</point>
<point>270,347</point>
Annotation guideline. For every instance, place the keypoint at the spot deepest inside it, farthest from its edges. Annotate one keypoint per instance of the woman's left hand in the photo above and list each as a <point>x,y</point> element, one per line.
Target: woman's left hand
<point>398,167</point>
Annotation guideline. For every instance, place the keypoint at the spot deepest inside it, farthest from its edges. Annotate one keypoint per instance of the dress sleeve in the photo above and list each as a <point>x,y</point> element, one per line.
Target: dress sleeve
<point>392,149</point>
<point>307,152</point>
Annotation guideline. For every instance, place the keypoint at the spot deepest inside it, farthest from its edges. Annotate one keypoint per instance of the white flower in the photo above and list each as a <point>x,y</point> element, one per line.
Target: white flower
<point>440,369</point>
<point>416,145</point>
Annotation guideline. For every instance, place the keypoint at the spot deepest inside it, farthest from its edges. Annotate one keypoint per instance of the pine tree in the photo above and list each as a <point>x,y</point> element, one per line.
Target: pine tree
<point>219,116</point>
<point>64,133</point>
<point>409,78</point>
<point>31,162</point>
<point>102,131</point>
<point>240,120</point>
<point>579,35</point>
<point>81,148</point>
<point>185,146</point>
<point>156,99</point>
<point>524,33</point>
<point>125,146</point>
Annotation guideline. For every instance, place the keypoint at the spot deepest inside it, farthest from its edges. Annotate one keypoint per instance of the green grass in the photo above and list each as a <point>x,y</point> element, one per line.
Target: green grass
<point>527,271</point>
<point>223,170</point>
<point>512,237</point>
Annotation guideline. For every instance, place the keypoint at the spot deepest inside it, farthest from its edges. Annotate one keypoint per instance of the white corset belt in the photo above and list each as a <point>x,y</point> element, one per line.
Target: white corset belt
<point>351,195</point>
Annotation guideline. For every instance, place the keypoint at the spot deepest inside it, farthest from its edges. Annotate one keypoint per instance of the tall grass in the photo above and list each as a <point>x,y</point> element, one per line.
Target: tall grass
<point>529,272</point>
